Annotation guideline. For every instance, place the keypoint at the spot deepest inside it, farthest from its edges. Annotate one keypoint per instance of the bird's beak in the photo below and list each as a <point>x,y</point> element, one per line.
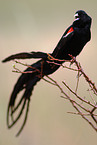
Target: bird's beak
<point>76,16</point>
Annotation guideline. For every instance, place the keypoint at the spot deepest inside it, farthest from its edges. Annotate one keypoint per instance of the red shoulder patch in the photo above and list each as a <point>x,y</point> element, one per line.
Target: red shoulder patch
<point>70,30</point>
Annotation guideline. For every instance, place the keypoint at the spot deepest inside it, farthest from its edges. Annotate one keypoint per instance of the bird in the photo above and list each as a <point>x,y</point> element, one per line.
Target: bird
<point>71,43</point>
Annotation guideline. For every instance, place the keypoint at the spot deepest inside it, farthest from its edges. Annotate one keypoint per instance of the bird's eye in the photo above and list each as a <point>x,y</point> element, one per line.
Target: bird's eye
<point>76,16</point>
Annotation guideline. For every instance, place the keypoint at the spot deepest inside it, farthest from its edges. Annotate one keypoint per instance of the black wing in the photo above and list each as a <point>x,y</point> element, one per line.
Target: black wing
<point>67,36</point>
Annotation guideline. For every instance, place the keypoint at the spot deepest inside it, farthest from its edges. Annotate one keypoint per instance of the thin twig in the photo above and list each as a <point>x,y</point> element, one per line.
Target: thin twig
<point>82,106</point>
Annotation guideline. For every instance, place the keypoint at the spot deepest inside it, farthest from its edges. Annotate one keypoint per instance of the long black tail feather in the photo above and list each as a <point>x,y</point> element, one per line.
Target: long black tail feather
<point>26,55</point>
<point>25,82</point>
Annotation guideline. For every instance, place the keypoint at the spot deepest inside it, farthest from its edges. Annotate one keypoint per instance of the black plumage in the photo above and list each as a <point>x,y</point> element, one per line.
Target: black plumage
<point>72,42</point>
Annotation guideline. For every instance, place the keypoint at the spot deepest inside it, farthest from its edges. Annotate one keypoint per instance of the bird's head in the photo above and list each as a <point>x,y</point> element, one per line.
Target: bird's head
<point>82,19</point>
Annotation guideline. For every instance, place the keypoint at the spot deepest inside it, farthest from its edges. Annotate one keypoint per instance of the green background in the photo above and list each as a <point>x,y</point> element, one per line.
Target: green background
<point>31,25</point>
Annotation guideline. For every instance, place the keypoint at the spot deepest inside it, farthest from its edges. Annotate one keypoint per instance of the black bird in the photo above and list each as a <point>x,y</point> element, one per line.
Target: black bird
<point>72,42</point>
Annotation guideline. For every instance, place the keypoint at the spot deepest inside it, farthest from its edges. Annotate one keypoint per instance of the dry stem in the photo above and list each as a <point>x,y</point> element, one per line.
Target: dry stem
<point>83,106</point>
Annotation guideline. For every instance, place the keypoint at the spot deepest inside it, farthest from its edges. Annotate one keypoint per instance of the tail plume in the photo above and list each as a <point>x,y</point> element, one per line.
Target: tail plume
<point>26,83</point>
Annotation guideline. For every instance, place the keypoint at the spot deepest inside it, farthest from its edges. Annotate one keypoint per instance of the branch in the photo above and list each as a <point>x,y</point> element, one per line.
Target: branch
<point>83,106</point>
